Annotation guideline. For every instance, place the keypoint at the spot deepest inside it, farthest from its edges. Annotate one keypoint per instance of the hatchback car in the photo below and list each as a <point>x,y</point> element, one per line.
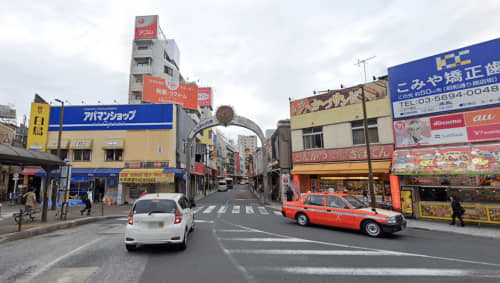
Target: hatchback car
<point>343,210</point>
<point>222,186</point>
<point>164,218</point>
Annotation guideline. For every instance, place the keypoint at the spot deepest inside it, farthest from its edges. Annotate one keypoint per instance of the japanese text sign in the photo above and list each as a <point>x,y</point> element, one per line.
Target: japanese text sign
<point>113,117</point>
<point>205,96</point>
<point>146,27</point>
<point>155,90</point>
<point>455,80</point>
<point>39,124</point>
<point>343,154</point>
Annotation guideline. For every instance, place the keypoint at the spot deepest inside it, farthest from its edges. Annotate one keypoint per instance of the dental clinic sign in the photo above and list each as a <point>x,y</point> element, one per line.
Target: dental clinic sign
<point>456,80</point>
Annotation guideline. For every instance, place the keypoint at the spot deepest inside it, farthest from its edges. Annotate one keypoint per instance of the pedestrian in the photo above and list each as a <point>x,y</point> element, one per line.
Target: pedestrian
<point>458,211</point>
<point>144,193</point>
<point>30,198</point>
<point>88,205</point>
<point>289,194</point>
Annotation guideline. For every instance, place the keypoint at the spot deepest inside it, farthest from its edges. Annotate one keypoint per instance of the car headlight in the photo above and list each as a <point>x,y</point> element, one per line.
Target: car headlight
<point>392,220</point>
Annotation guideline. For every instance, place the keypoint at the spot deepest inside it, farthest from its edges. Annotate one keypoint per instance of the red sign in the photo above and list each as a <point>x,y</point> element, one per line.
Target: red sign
<point>205,96</point>
<point>343,154</point>
<point>447,122</point>
<point>199,169</point>
<point>155,90</point>
<point>238,162</point>
<point>484,133</point>
<point>146,27</point>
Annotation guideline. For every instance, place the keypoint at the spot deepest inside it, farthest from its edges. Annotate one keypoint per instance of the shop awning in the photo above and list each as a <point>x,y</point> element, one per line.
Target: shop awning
<point>81,144</point>
<point>145,176</point>
<point>30,171</point>
<point>52,144</point>
<point>88,172</point>
<point>341,168</point>
<point>179,172</point>
<point>114,143</point>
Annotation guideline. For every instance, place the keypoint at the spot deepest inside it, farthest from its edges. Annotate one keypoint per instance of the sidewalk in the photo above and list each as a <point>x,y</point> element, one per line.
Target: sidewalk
<point>471,229</point>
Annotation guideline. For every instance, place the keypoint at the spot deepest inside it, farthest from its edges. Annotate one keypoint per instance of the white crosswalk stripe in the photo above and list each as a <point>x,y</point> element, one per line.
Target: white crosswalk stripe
<point>277,212</point>
<point>262,210</point>
<point>249,210</point>
<point>222,209</point>
<point>236,209</point>
<point>198,209</point>
<point>209,209</point>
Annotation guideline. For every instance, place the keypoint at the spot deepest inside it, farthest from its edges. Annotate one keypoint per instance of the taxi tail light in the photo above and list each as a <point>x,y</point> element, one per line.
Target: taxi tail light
<point>178,217</point>
<point>131,217</point>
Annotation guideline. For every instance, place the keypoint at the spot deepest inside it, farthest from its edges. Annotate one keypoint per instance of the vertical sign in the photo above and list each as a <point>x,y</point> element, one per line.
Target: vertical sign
<point>39,125</point>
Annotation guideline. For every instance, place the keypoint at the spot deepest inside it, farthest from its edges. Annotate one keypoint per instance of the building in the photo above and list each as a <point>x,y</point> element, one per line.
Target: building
<point>447,131</point>
<point>247,142</point>
<point>328,141</point>
<point>281,159</point>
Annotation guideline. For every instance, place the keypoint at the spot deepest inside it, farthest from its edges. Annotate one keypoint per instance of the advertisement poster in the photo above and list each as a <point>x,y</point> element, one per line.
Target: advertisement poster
<point>39,126</point>
<point>460,79</point>
<point>146,27</point>
<point>471,126</point>
<point>338,98</point>
<point>113,117</point>
<point>156,90</point>
<point>406,202</point>
<point>484,159</point>
<point>205,96</point>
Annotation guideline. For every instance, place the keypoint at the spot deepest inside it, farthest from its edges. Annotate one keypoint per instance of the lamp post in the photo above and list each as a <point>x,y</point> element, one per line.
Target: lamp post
<point>368,154</point>
<point>56,180</point>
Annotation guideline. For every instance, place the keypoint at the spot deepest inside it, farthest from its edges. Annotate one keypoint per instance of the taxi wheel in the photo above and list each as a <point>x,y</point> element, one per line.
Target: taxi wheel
<point>372,228</point>
<point>302,219</point>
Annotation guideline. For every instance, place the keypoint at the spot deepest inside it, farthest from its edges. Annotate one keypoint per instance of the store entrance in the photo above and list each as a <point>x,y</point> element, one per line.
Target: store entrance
<point>358,186</point>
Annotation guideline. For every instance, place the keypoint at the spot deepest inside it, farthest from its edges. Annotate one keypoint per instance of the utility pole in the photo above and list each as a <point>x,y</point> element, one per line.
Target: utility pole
<point>368,154</point>
<point>55,188</point>
<point>364,64</point>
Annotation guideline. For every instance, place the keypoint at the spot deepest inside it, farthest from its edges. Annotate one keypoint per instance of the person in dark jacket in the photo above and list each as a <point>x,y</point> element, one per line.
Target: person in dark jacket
<point>88,205</point>
<point>458,211</point>
<point>289,194</point>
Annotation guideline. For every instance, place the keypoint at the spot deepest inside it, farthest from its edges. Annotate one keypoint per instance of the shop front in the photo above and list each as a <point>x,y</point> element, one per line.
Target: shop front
<point>428,177</point>
<point>133,182</point>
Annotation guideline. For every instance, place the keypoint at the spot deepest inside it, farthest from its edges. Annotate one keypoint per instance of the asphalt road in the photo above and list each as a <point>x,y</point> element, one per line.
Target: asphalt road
<point>238,240</point>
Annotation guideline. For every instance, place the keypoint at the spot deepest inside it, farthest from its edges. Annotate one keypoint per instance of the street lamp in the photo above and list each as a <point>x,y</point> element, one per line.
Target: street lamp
<point>56,187</point>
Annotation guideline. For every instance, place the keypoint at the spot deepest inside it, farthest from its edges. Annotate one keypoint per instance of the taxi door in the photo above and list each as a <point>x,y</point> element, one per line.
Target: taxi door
<point>314,207</point>
<point>339,213</point>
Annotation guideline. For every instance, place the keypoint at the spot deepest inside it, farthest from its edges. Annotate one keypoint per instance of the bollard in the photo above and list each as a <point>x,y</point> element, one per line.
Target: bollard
<point>20,220</point>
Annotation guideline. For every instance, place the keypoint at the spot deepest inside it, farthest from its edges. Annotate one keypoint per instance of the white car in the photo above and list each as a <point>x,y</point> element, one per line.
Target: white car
<point>164,218</point>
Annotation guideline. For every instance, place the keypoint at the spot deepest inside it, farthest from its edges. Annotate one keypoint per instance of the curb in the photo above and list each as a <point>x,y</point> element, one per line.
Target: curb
<point>58,226</point>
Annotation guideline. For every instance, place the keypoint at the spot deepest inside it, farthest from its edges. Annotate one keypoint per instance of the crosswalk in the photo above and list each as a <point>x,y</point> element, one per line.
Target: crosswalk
<point>235,209</point>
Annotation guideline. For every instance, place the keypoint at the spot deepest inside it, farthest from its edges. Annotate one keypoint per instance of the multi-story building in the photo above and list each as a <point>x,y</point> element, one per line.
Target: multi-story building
<point>247,142</point>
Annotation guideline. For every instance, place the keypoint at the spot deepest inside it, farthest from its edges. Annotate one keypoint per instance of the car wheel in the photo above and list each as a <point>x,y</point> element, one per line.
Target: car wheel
<point>183,245</point>
<point>130,248</point>
<point>372,228</point>
<point>302,219</point>
<point>192,226</point>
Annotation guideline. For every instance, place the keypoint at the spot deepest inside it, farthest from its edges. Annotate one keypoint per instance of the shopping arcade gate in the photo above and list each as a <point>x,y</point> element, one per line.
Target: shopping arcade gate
<point>225,117</point>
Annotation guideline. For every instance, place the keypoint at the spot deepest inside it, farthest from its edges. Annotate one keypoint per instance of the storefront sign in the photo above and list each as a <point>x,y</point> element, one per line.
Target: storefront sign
<point>343,154</point>
<point>205,96</point>
<point>146,27</point>
<point>471,126</point>
<point>146,164</point>
<point>138,177</point>
<point>456,80</point>
<point>199,168</point>
<point>157,90</point>
<point>39,126</point>
<point>338,98</point>
<point>483,159</point>
<point>113,117</point>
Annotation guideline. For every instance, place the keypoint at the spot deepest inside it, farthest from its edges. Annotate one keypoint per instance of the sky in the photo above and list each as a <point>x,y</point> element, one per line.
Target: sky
<point>255,54</point>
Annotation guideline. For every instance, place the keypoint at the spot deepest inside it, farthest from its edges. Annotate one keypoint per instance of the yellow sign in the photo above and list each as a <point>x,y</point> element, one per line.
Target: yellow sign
<point>39,126</point>
<point>406,202</point>
<point>145,176</point>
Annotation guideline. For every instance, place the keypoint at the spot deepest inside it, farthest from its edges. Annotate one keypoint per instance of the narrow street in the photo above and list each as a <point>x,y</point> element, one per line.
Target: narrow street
<point>238,240</point>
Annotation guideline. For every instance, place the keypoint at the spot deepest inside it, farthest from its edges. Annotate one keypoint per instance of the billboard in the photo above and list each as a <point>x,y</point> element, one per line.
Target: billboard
<point>146,27</point>
<point>205,96</point>
<point>357,153</point>
<point>7,112</point>
<point>470,126</point>
<point>455,80</point>
<point>338,98</point>
<point>156,90</point>
<point>38,128</point>
<point>113,117</point>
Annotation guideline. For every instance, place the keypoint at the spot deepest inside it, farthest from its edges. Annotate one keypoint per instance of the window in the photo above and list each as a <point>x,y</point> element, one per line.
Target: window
<point>114,155</point>
<point>64,153</point>
<point>165,55</point>
<point>81,155</point>
<point>138,79</point>
<point>358,131</point>
<point>142,47</point>
<point>335,202</point>
<point>155,205</point>
<point>315,200</point>
<point>313,137</point>
<point>167,70</point>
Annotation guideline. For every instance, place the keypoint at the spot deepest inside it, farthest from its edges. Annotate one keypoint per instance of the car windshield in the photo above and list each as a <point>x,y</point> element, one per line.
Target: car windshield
<point>155,206</point>
<point>355,202</point>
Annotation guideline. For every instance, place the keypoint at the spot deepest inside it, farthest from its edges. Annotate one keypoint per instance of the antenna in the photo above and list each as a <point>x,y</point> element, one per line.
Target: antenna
<point>364,64</point>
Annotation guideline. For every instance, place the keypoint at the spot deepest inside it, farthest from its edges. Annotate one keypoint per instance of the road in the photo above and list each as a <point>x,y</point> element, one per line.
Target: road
<point>238,240</point>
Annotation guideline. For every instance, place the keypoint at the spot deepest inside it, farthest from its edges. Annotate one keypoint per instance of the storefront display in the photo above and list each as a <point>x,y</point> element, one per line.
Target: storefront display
<point>357,186</point>
<point>473,212</point>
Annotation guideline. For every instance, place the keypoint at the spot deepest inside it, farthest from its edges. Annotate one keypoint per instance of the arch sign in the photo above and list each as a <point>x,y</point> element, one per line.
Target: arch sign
<point>225,116</point>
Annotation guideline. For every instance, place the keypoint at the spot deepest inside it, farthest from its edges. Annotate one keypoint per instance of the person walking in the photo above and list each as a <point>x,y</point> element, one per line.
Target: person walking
<point>458,211</point>
<point>88,205</point>
<point>30,200</point>
<point>289,194</point>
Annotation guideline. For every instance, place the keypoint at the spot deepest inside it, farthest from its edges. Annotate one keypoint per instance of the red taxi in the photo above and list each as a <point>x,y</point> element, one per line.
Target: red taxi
<point>343,210</point>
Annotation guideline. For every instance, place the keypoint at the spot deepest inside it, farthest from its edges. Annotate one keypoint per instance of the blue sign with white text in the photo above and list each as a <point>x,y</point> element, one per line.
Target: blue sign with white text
<point>460,79</point>
<point>113,117</point>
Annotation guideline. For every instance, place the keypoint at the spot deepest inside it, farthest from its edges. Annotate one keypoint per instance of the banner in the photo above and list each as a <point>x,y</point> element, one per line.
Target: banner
<point>343,154</point>
<point>113,117</point>
<point>38,128</point>
<point>471,126</point>
<point>484,159</point>
<point>338,98</point>
<point>455,80</point>
<point>155,90</point>
<point>146,27</point>
<point>205,96</point>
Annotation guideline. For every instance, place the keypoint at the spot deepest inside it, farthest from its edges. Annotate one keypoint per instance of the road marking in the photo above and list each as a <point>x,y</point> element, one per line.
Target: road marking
<point>233,230</point>
<point>381,271</point>
<point>203,221</point>
<point>316,252</point>
<point>209,209</point>
<point>222,209</point>
<point>287,240</point>
<point>277,213</point>
<point>262,210</point>
<point>196,210</point>
<point>249,209</point>
<point>236,209</point>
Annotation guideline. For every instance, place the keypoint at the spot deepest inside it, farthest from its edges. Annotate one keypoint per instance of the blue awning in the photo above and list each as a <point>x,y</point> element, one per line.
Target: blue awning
<point>87,172</point>
<point>179,172</point>
<point>79,179</point>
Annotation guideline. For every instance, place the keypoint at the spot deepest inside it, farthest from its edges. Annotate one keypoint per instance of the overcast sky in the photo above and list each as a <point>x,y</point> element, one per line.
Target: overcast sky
<point>256,54</point>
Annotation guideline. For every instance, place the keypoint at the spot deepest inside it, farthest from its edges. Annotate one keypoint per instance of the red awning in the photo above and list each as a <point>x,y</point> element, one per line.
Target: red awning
<point>30,171</point>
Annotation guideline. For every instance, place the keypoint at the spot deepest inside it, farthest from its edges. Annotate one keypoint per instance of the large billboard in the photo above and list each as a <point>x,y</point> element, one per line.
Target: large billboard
<point>39,123</point>
<point>470,126</point>
<point>357,153</point>
<point>455,80</point>
<point>205,96</point>
<point>146,27</point>
<point>156,90</point>
<point>338,98</point>
<point>113,117</point>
